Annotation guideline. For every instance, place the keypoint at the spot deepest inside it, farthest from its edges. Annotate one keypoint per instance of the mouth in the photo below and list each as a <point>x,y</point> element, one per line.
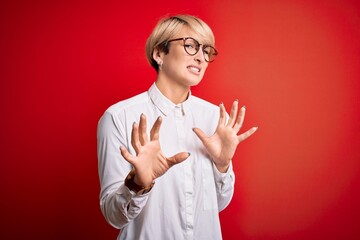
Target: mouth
<point>194,69</point>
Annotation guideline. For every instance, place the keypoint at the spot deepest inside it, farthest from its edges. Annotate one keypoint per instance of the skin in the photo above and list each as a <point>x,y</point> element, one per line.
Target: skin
<point>179,72</point>
<point>176,76</point>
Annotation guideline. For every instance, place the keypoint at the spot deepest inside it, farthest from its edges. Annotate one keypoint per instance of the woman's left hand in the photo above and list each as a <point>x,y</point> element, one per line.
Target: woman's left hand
<point>223,143</point>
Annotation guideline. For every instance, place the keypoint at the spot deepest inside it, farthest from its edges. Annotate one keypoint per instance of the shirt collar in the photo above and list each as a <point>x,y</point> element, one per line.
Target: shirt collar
<point>163,103</point>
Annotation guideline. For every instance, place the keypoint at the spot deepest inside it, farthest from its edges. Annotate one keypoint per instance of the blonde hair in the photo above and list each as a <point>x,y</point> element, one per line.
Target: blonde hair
<point>168,27</point>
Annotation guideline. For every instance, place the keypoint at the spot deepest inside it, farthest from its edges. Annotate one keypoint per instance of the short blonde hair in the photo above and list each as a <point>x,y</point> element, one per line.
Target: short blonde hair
<point>168,27</point>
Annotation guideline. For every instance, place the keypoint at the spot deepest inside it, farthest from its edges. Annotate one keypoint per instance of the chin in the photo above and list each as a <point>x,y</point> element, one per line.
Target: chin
<point>194,83</point>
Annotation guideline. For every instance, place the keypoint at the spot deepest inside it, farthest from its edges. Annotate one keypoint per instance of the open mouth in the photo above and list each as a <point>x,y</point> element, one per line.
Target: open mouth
<point>194,69</point>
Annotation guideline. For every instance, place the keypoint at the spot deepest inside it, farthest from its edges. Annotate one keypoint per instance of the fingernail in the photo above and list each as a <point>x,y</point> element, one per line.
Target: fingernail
<point>221,103</point>
<point>134,123</point>
<point>244,107</point>
<point>236,100</point>
<point>189,154</point>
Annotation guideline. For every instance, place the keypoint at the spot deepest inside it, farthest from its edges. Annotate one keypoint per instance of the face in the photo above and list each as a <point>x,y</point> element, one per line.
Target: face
<point>179,67</point>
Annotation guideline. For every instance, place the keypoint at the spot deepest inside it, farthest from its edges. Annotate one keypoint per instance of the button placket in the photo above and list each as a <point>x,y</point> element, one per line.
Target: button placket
<point>188,181</point>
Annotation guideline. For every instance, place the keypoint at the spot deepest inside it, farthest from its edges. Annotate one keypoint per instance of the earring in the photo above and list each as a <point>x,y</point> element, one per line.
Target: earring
<point>160,64</point>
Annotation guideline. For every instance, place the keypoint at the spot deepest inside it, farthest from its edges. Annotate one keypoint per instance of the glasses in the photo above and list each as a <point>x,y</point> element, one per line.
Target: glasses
<point>192,47</point>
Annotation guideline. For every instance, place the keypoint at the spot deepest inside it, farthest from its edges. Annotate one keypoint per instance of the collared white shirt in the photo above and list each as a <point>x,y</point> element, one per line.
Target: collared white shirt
<point>185,202</point>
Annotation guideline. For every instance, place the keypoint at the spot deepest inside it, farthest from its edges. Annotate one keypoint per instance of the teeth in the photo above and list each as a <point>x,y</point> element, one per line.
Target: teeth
<point>195,69</point>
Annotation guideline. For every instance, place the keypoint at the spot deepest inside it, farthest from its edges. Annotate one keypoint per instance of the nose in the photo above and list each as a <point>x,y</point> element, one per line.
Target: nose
<point>199,56</point>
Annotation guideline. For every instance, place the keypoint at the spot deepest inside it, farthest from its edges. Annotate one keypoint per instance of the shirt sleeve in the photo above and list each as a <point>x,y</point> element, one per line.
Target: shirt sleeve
<point>118,204</point>
<point>224,186</point>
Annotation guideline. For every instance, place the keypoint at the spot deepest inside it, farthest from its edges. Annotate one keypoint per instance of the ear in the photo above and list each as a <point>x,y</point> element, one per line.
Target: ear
<point>158,55</point>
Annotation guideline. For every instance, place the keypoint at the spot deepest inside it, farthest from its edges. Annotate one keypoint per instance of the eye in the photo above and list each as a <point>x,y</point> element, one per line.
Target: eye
<point>207,50</point>
<point>190,46</point>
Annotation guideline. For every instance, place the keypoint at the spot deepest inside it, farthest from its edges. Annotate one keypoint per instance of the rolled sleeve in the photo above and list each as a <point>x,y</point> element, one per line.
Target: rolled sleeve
<point>224,186</point>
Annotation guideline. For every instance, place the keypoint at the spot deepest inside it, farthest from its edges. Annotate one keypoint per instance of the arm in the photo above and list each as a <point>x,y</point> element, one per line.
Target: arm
<point>118,204</point>
<point>224,183</point>
<point>221,147</point>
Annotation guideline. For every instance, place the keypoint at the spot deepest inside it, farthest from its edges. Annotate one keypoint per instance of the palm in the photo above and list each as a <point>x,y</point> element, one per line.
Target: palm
<point>149,162</point>
<point>222,145</point>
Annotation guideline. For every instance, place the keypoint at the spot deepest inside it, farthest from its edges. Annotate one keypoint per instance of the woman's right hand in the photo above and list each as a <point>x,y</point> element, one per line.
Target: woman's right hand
<point>149,162</point>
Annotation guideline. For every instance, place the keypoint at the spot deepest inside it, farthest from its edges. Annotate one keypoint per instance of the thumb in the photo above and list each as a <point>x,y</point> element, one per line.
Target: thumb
<point>125,153</point>
<point>201,135</point>
<point>178,158</point>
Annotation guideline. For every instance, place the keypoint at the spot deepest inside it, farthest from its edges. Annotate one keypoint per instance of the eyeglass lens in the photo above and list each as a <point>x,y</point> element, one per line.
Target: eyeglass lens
<point>192,46</point>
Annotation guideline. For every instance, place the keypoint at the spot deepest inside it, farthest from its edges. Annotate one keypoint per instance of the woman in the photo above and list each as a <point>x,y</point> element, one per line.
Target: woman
<point>173,173</point>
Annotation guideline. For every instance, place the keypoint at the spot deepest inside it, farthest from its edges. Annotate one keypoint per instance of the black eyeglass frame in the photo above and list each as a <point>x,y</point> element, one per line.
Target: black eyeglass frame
<point>198,45</point>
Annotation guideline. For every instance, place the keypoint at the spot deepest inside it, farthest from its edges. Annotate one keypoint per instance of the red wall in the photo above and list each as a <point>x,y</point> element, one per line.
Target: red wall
<point>294,64</point>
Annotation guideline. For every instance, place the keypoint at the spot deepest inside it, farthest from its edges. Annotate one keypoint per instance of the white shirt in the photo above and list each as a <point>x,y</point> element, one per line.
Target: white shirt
<point>185,202</point>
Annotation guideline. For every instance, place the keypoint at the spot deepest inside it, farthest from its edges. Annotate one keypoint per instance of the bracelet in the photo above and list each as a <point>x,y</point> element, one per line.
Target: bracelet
<point>132,186</point>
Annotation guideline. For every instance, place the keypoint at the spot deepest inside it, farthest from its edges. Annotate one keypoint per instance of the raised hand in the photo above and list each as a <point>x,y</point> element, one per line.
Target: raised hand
<point>149,162</point>
<point>223,143</point>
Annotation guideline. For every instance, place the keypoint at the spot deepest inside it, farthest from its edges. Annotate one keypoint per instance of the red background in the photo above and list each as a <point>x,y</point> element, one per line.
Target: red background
<point>294,64</point>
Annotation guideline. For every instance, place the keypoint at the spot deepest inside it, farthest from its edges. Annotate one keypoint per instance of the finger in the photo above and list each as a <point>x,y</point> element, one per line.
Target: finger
<point>201,135</point>
<point>233,112</point>
<point>135,138</point>
<point>222,117</point>
<point>178,158</point>
<point>247,134</point>
<point>240,119</point>
<point>142,130</point>
<point>127,156</point>
<point>154,133</point>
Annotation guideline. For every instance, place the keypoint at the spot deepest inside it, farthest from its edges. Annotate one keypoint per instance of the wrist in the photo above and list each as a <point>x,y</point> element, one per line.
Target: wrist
<point>132,184</point>
<point>222,168</point>
<point>139,182</point>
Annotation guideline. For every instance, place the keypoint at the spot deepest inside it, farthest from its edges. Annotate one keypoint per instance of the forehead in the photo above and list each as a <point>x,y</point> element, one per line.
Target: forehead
<point>186,31</point>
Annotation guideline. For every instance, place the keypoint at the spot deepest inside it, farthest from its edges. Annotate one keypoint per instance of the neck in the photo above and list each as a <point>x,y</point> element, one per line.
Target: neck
<point>176,93</point>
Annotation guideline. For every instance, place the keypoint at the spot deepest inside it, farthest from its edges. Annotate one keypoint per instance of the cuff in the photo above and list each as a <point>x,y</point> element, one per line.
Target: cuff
<point>219,175</point>
<point>225,180</point>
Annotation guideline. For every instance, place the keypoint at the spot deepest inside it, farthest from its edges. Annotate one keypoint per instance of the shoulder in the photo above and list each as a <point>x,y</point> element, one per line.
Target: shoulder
<point>127,104</point>
<point>204,106</point>
<point>115,114</point>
